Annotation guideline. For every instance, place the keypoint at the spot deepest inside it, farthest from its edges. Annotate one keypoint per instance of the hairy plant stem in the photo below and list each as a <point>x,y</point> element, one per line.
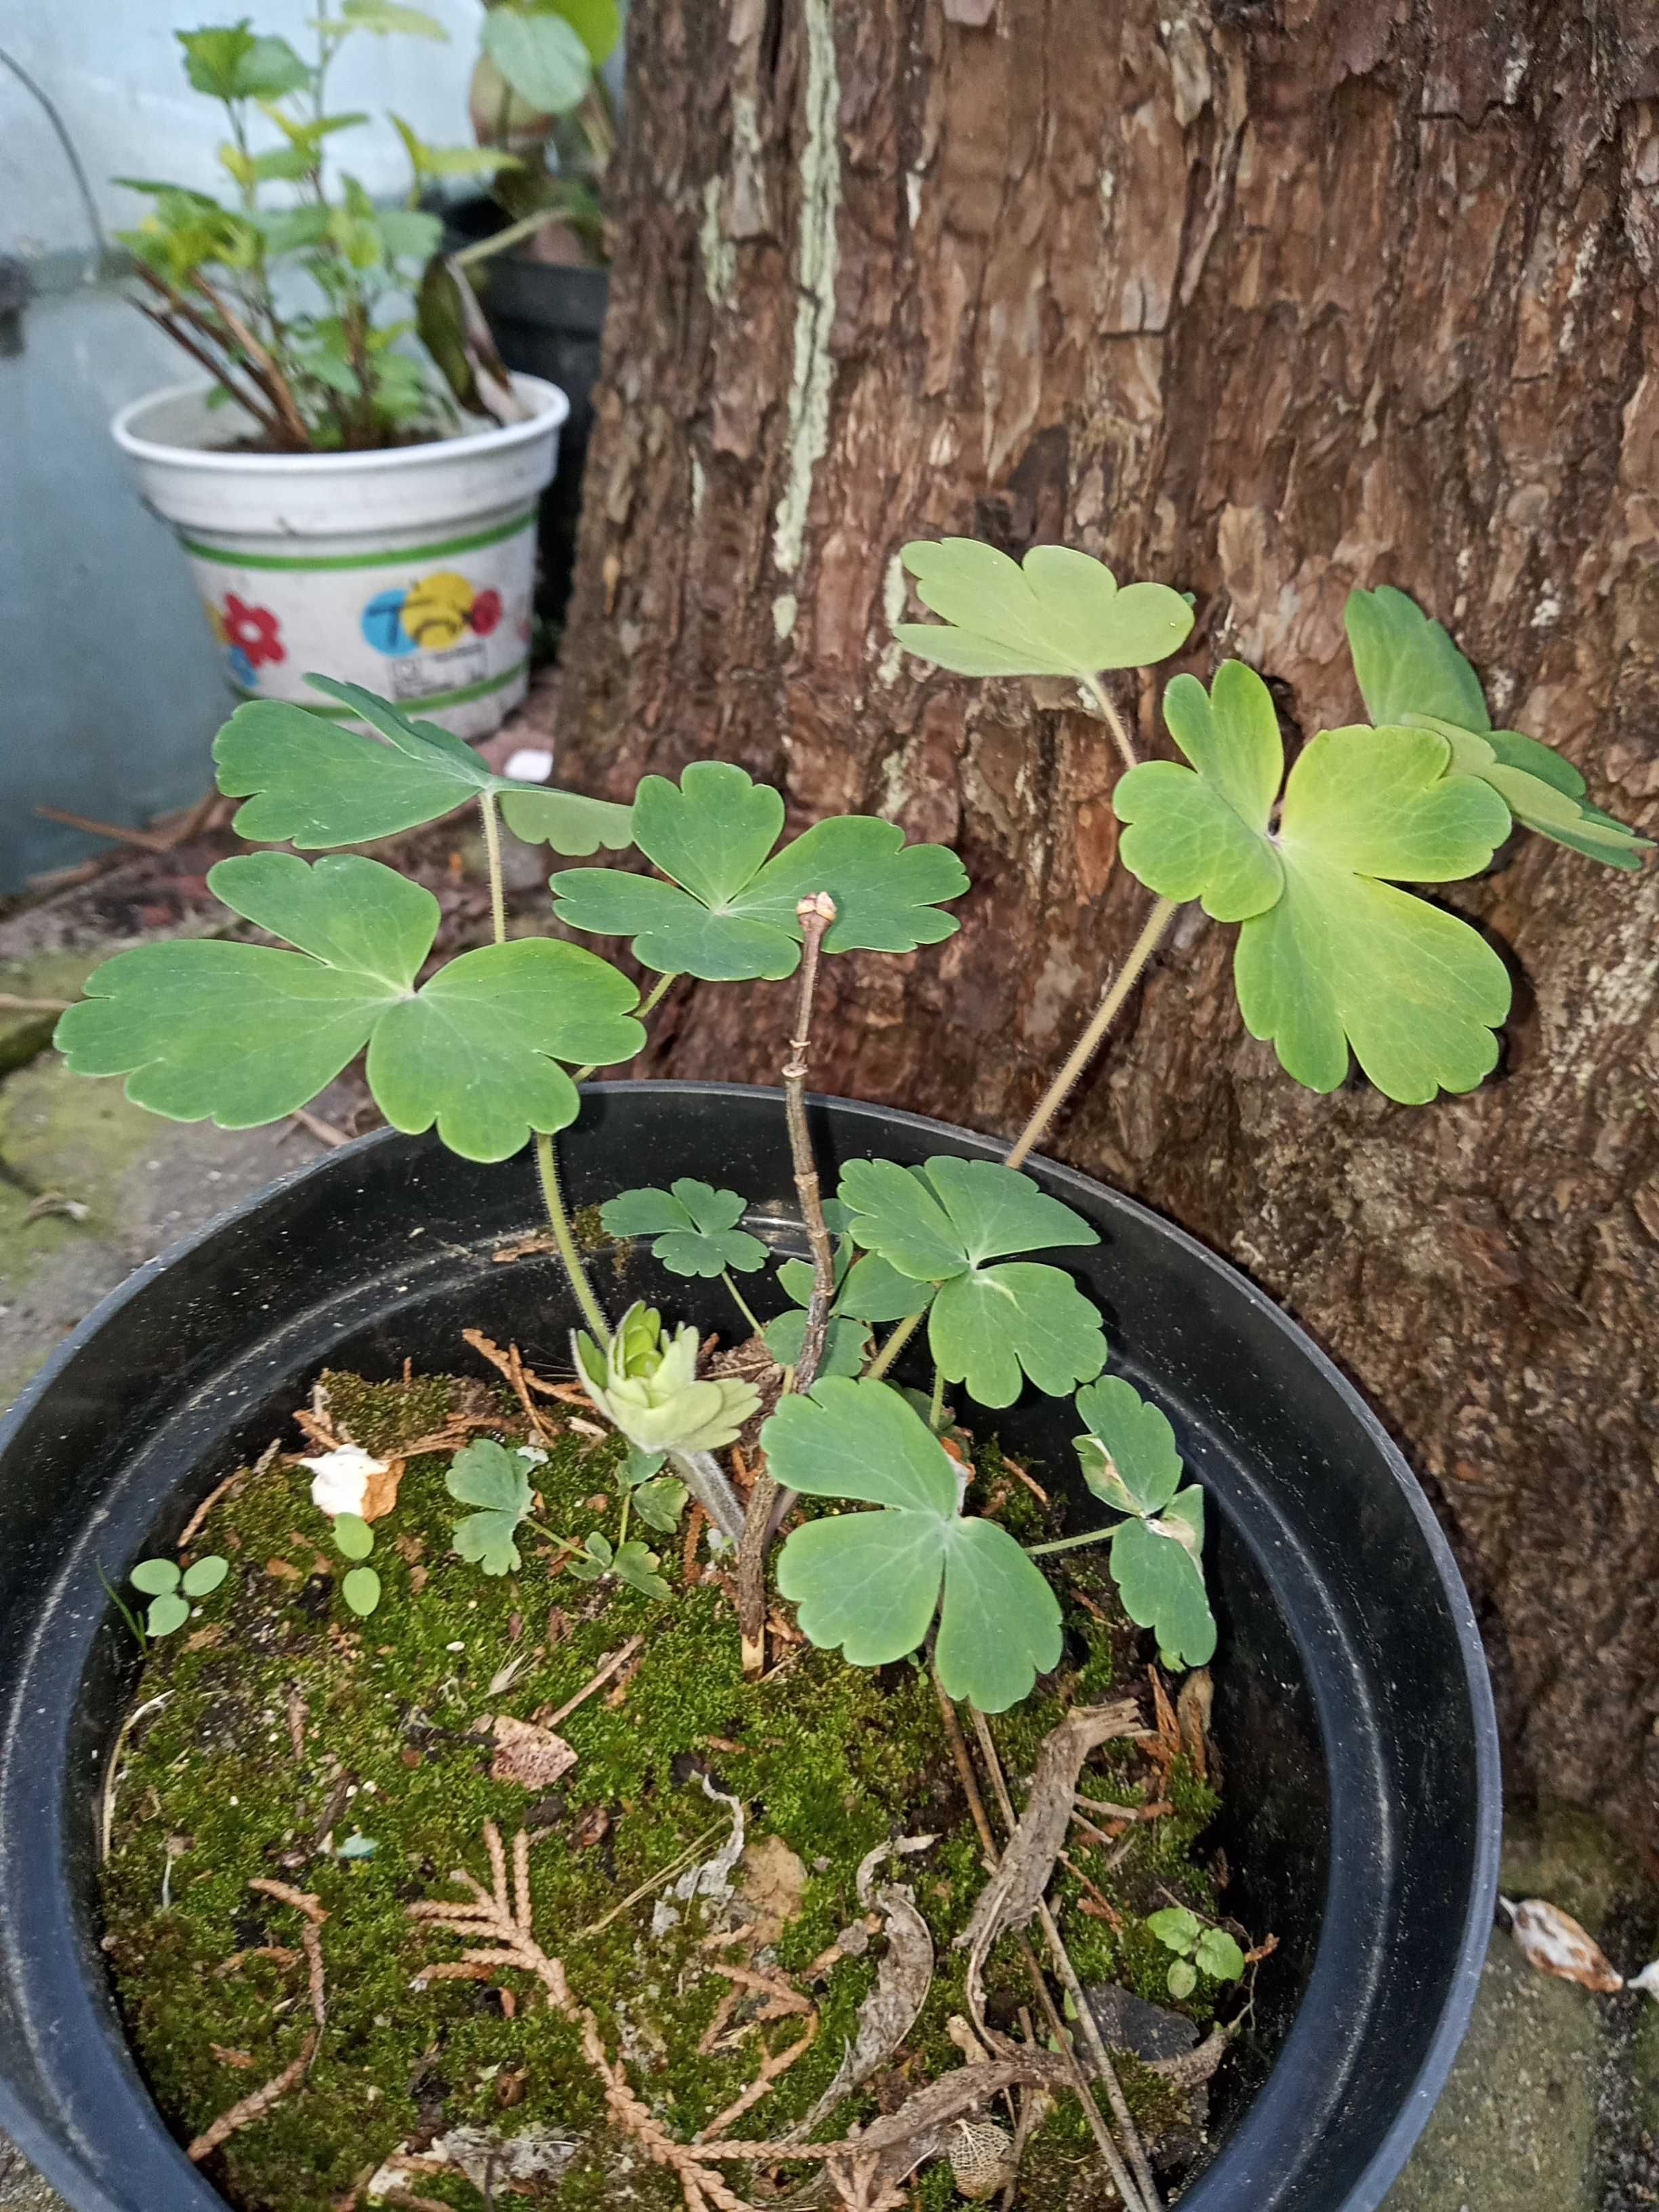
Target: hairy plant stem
<point>896,1343</point>
<point>767,1503</point>
<point>1124,2184</point>
<point>1071,1543</point>
<point>706,1480</point>
<point>936,1410</point>
<point>1099,1021</point>
<point>559,1221</point>
<point>1073,1987</point>
<point>1113,720</point>
<point>492,830</point>
<point>742,1303</point>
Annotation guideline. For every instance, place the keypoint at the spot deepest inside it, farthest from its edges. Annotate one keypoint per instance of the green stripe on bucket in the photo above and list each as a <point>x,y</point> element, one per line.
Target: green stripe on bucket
<point>429,703</point>
<point>347,561</point>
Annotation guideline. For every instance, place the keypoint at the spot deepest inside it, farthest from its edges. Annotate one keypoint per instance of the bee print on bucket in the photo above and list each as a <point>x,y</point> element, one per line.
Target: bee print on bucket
<point>430,631</point>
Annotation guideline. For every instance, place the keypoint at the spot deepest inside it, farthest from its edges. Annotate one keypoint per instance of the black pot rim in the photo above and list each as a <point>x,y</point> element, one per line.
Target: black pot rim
<point>1390,2155</point>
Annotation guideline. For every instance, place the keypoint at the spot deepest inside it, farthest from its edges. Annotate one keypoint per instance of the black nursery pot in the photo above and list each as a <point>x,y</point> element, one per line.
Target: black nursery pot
<point>1351,1704</point>
<point>547,320</point>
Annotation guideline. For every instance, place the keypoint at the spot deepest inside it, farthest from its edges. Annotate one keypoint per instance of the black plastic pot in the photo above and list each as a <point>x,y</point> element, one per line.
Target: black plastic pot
<point>1352,1702</point>
<point>546,321</point>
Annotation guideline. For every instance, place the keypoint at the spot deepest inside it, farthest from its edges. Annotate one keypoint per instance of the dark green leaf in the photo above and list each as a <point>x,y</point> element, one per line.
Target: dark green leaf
<point>316,784</point>
<point>846,1343</point>
<point>660,1503</point>
<point>693,1224</point>
<point>637,1567</point>
<point>986,1327</point>
<point>484,1473</point>
<point>244,1033</point>
<point>729,912</point>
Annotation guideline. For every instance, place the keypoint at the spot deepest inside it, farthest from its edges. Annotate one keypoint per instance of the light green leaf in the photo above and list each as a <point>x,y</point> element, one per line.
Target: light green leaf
<point>591,1563</point>
<point>640,1465</point>
<point>1410,672</point>
<point>729,912</point>
<point>693,1224</point>
<point>1219,1956</point>
<point>875,1291</point>
<point>1162,1587</point>
<point>409,233</point>
<point>155,1577</point>
<point>353,1537</point>
<point>1202,832</point>
<point>362,1590</point>
<point>996,1210</point>
<point>597,23</point>
<point>1344,960</point>
<point>204,1575</point>
<point>387,17</point>
<point>486,1540</point>
<point>1061,614</point>
<point>232,62</point>
<point>166,1613</point>
<point>314,783</point>
<point>1181,1979</point>
<point>637,1567</point>
<point>245,1034</point>
<point>983,1328</point>
<point>484,1473</point>
<point>1176,1928</point>
<point>660,1502</point>
<point>1381,803</point>
<point>1407,664</point>
<point>870,1583</point>
<point>1129,1449</point>
<point>541,57</point>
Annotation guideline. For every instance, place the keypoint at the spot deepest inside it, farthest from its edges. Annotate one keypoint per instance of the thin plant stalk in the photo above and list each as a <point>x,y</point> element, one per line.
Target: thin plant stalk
<point>896,1343</point>
<point>1073,1987</point>
<point>936,1409</point>
<point>1105,1014</point>
<point>743,1304</point>
<point>1112,718</point>
<point>768,1503</point>
<point>492,830</point>
<point>1071,1543</point>
<point>547,1168</point>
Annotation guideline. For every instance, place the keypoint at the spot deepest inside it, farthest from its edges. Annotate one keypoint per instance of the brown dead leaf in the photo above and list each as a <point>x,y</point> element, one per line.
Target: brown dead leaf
<point>1553,1941</point>
<point>771,1881</point>
<point>380,1490</point>
<point>902,1981</point>
<point>203,1639</point>
<point>240,2059</point>
<point>409,1549</point>
<point>592,1828</point>
<point>284,1570</point>
<point>1193,1717</point>
<point>532,1757</point>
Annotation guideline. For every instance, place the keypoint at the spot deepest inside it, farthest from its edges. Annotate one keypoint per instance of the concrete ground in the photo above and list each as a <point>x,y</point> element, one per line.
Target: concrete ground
<point>1554,2102</point>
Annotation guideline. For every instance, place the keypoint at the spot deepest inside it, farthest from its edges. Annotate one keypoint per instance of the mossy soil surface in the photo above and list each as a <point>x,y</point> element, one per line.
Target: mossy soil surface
<point>352,1758</point>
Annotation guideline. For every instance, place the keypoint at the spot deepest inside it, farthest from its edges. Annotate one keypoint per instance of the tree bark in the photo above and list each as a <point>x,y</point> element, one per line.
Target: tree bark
<point>1263,300</point>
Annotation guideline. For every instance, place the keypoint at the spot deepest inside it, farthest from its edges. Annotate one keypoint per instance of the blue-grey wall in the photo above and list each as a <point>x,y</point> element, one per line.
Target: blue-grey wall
<point>110,688</point>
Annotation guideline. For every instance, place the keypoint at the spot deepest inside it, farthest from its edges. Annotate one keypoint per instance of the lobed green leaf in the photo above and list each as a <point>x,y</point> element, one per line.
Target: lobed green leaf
<point>1128,1448</point>
<point>1059,614</point>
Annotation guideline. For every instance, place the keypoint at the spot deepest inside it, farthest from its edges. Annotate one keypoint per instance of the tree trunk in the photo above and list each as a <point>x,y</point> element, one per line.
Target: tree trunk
<point>1262,301</point>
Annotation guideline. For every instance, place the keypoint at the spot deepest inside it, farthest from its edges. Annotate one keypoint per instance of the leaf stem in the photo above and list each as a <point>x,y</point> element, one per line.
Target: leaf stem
<point>621,1526</point>
<point>743,1304</point>
<point>551,1534</point>
<point>1099,1021</point>
<point>936,1410</point>
<point>1071,1543</point>
<point>1113,720</point>
<point>653,998</point>
<point>547,1168</point>
<point>492,830</point>
<point>896,1343</point>
<point>767,1503</point>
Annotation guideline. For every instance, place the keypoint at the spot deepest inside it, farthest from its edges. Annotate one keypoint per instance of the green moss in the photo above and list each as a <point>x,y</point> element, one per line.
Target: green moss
<point>390,1716</point>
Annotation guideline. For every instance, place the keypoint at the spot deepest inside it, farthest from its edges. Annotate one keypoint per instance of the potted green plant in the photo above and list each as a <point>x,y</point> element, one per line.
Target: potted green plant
<point>797,1582</point>
<point>347,499</point>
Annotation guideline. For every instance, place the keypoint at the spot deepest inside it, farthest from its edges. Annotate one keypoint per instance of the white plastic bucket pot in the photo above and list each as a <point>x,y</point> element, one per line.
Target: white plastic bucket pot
<point>408,570</point>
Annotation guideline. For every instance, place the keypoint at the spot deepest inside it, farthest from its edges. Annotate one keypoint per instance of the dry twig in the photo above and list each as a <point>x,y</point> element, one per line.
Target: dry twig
<point>259,2102</point>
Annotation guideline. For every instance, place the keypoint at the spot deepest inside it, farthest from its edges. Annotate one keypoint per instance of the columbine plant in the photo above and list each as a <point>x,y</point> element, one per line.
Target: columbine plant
<point>1334,961</point>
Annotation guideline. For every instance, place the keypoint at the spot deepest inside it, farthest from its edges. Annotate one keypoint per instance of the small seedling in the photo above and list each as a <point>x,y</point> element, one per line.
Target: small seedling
<point>629,1563</point>
<point>1198,1949</point>
<point>355,1540</point>
<point>486,1474</point>
<point>170,1591</point>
